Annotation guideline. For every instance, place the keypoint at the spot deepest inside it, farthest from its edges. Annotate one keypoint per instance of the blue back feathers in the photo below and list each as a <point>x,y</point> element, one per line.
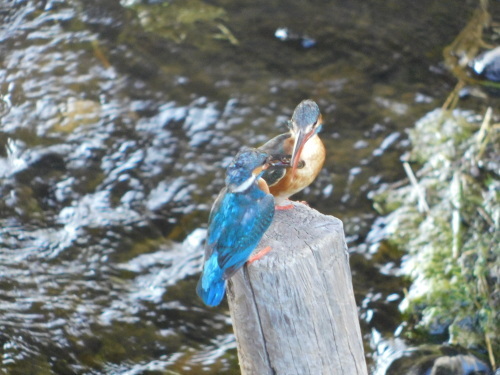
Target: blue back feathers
<point>237,223</point>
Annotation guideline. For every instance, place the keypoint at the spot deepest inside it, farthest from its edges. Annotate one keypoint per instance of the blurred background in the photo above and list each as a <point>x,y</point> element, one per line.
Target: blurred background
<point>117,120</point>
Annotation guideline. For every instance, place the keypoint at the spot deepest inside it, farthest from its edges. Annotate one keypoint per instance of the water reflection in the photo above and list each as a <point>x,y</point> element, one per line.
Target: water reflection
<point>113,138</point>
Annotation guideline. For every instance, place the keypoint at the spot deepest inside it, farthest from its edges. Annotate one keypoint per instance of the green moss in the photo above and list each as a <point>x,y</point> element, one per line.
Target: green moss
<point>453,247</point>
<point>193,22</point>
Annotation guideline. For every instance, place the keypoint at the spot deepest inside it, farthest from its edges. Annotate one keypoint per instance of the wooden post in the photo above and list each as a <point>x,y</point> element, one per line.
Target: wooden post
<point>293,311</point>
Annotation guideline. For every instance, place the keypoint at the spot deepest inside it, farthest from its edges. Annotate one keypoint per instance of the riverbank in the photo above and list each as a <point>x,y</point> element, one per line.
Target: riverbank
<point>445,217</point>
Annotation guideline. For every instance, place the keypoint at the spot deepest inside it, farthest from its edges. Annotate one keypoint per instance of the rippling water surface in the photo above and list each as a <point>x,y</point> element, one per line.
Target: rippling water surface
<point>116,123</point>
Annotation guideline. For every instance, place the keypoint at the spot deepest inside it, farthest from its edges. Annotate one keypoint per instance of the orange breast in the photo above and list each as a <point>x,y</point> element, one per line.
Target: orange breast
<point>313,154</point>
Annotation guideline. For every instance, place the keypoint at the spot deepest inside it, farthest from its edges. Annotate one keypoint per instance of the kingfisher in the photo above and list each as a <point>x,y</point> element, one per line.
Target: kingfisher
<point>306,149</point>
<point>239,217</point>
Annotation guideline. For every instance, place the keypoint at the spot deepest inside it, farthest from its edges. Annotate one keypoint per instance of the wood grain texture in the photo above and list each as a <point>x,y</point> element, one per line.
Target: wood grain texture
<point>293,311</point>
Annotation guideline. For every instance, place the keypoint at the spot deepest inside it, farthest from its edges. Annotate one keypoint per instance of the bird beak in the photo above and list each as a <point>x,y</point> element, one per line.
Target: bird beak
<point>300,141</point>
<point>278,161</point>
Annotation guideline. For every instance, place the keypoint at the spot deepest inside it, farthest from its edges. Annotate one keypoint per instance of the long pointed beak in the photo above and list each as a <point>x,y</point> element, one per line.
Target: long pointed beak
<point>298,146</point>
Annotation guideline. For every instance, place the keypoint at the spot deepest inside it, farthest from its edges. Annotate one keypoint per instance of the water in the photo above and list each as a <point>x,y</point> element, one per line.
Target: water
<point>116,123</point>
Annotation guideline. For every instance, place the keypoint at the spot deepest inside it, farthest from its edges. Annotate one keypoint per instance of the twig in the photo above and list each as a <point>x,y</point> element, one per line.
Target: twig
<point>98,52</point>
<point>456,221</point>
<point>227,34</point>
<point>482,135</point>
<point>490,350</point>
<point>422,203</point>
<point>452,99</point>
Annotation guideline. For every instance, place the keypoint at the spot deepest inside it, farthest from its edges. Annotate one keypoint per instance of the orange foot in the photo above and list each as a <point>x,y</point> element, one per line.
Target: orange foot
<point>283,208</point>
<point>259,255</point>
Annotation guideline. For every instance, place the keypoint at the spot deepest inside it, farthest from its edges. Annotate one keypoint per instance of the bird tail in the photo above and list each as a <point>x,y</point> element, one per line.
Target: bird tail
<point>211,286</point>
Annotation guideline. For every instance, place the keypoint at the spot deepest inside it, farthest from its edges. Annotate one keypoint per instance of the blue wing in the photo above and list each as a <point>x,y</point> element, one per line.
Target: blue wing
<point>276,145</point>
<point>211,286</point>
<point>237,224</point>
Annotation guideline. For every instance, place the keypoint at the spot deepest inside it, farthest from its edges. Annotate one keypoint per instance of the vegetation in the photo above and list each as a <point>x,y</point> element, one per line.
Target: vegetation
<point>447,220</point>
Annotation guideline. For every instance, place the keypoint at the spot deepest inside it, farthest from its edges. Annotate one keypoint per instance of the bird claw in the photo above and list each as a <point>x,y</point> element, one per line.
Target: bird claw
<point>283,208</point>
<point>259,255</point>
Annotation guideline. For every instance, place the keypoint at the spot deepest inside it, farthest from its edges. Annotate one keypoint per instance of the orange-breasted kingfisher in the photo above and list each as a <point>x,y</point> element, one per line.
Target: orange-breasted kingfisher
<point>306,149</point>
<point>239,217</point>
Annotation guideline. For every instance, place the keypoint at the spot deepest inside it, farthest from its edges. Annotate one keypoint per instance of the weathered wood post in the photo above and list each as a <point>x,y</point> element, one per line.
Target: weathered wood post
<point>293,311</point>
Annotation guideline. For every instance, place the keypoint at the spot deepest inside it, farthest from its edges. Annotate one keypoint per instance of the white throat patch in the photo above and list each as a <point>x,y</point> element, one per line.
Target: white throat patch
<point>245,185</point>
